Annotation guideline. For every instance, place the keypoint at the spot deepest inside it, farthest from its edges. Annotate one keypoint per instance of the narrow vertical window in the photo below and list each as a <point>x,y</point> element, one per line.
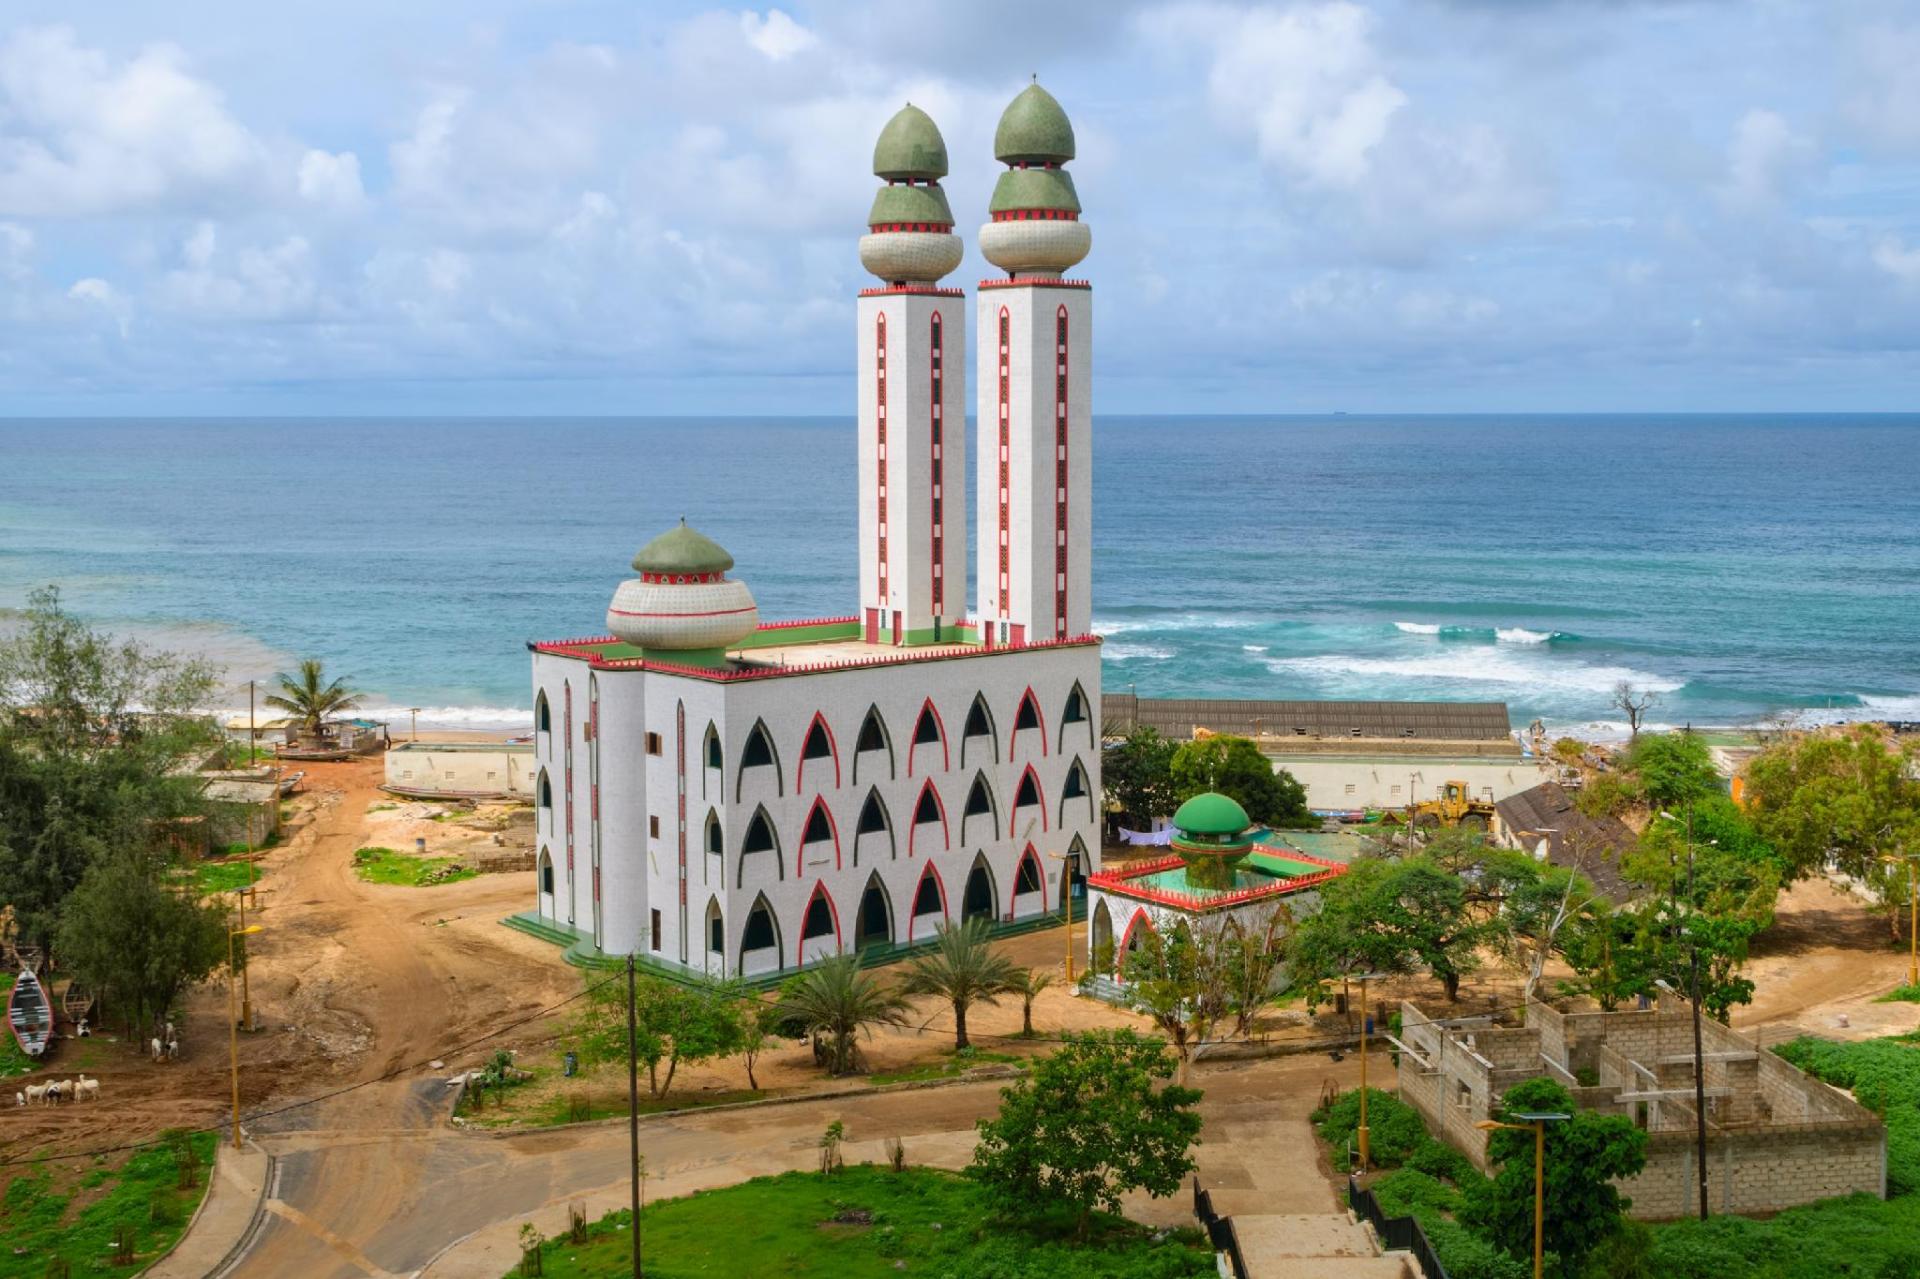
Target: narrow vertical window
<point>1060,475</point>
<point>880,442</point>
<point>1006,440</point>
<point>938,467</point>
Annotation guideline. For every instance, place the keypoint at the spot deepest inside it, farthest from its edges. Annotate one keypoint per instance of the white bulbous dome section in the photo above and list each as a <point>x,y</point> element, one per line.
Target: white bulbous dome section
<point>1035,247</point>
<point>682,615</point>
<point>919,257</point>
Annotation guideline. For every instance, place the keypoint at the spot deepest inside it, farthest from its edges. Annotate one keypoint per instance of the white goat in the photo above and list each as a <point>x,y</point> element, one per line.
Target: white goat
<point>85,1089</point>
<point>157,1048</point>
<point>59,1090</point>
<point>36,1094</point>
<point>173,1049</point>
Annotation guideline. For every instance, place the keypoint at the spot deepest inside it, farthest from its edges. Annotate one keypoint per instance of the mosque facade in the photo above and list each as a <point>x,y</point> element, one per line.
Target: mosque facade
<point>726,794</point>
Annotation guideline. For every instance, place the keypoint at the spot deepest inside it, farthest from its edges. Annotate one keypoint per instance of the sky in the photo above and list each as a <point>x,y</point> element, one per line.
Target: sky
<point>576,207</point>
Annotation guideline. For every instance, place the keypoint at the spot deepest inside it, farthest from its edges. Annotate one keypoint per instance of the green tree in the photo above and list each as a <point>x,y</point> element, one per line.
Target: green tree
<point>1137,777</point>
<point>1585,1154</point>
<point>128,934</point>
<point>1028,983</point>
<point>1396,915</point>
<point>1090,1123</point>
<point>758,1022</point>
<point>697,1023</point>
<point>1234,767</point>
<point>964,969</point>
<point>1176,978</point>
<point>1603,947</point>
<point>1338,940</point>
<point>1251,958</point>
<point>836,1000</point>
<point>1673,768</point>
<point>311,697</point>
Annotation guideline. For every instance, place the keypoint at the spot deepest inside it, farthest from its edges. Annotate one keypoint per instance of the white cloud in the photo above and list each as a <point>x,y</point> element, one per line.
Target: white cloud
<point>331,181</point>
<point>1764,156</point>
<point>16,252</point>
<point>275,282</point>
<point>777,36</point>
<point>102,298</point>
<point>1884,93</point>
<point>1897,260</point>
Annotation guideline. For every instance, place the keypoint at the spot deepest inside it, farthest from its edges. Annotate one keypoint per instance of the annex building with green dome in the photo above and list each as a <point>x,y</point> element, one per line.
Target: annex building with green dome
<point>722,793</point>
<point>1223,867</point>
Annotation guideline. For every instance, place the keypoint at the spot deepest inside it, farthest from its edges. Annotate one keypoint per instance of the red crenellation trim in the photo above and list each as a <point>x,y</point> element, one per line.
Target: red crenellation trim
<point>1035,282</point>
<point>1036,215</point>
<point>930,290</point>
<point>569,649</point>
<point>918,228</point>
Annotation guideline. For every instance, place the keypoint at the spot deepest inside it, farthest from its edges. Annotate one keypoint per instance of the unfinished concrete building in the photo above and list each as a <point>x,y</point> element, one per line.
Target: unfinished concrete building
<point>1776,1136</point>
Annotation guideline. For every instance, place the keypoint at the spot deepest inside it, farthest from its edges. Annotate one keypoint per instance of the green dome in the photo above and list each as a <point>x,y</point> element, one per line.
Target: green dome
<point>910,147</point>
<point>1211,814</point>
<point>1033,130</point>
<point>900,203</point>
<point>1034,189</point>
<point>682,550</point>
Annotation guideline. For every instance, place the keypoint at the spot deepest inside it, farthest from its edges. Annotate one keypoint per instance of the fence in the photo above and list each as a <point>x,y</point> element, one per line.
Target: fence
<point>1396,1233</point>
<point>1219,1231</point>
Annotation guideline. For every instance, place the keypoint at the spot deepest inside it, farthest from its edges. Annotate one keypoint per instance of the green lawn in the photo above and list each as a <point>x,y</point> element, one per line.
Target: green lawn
<point>71,1210</point>
<point>1901,994</point>
<point>224,876</point>
<point>388,866</point>
<point>947,1067</point>
<point>864,1223</point>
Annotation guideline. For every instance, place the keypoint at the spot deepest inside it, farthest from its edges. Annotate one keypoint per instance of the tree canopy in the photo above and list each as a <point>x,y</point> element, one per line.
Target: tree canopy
<point>1234,767</point>
<point>1137,776</point>
<point>964,969</point>
<point>310,697</point>
<point>1850,795</point>
<point>1390,915</point>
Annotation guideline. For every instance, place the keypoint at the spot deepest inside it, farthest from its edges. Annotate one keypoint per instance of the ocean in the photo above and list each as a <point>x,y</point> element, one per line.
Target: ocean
<point>1740,566</point>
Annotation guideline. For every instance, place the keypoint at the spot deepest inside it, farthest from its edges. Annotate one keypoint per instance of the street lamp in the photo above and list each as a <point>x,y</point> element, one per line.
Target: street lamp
<point>1366,1030</point>
<point>414,712</point>
<point>233,1027</point>
<point>1913,911</point>
<point>244,896</point>
<point>1066,861</point>
<point>1537,1121</point>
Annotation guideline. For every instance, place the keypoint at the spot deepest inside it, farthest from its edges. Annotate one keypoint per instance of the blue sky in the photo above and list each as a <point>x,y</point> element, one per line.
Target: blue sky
<point>560,207</point>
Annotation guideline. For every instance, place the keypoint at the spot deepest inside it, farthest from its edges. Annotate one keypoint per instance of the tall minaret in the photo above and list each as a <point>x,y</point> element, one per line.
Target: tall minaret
<point>1035,476</point>
<point>913,361</point>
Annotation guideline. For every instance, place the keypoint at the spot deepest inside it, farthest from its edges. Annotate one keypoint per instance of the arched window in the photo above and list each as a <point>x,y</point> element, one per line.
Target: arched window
<point>873,736</point>
<point>819,828</point>
<point>760,936</point>
<point>927,809</point>
<point>716,928</point>
<point>818,744</point>
<point>1076,787</point>
<point>927,729</point>
<point>979,725</point>
<point>1027,795</point>
<point>929,900</point>
<point>1026,877</point>
<point>1077,711</point>
<point>716,837</point>
<point>542,714</point>
<point>545,793</point>
<point>759,752</point>
<point>874,924</point>
<point>1027,716</point>
<point>819,920</point>
<point>874,819</point>
<point>979,804</point>
<point>714,758</point>
<point>761,837</point>
<point>976,902</point>
<point>546,872</point>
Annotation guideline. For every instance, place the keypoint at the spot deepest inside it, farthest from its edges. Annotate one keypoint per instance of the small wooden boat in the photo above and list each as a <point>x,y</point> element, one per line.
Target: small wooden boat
<point>291,782</point>
<point>29,1014</point>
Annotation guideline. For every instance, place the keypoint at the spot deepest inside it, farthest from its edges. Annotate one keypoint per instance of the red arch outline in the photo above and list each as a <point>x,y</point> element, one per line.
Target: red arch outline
<point>1027,855</point>
<point>1014,805</point>
<point>833,748</point>
<point>913,818</point>
<point>833,908</point>
<point>938,882</point>
<point>800,845</point>
<point>1139,917</point>
<point>940,726</point>
<point>1039,719</point>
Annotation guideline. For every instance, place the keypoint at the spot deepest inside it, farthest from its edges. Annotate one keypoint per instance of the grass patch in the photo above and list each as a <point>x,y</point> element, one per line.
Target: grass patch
<point>958,1063</point>
<point>389,866</point>
<point>546,1099</point>
<point>224,876</point>
<point>1901,995</point>
<point>866,1223</point>
<point>74,1210</point>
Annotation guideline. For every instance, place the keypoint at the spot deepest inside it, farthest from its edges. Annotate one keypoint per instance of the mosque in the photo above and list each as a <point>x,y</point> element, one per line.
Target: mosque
<point>723,794</point>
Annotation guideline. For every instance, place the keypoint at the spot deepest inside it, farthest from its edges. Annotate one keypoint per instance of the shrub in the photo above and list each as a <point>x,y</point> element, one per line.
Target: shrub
<point>1884,1076</point>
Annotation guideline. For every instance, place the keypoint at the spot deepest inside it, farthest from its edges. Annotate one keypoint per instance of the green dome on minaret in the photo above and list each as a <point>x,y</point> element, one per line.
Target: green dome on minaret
<point>1211,817</point>
<point>682,550</point>
<point>910,148</point>
<point>1033,130</point>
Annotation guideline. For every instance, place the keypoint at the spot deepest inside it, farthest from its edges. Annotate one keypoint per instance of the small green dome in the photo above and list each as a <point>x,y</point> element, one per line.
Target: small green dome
<point>682,550</point>
<point>900,203</point>
<point>1033,130</point>
<point>1211,814</point>
<point>910,147</point>
<point>1034,189</point>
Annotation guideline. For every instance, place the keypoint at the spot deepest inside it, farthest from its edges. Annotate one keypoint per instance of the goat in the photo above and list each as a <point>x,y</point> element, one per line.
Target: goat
<point>173,1049</point>
<point>36,1094</point>
<point>20,1098</point>
<point>83,1032</point>
<point>85,1089</point>
<point>58,1091</point>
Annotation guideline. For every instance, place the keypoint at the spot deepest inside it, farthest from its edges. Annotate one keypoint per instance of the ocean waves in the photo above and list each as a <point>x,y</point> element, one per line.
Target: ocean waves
<point>1484,634</point>
<point>1446,673</point>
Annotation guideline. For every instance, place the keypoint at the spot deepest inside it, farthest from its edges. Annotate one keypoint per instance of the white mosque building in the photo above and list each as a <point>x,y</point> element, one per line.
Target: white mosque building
<point>723,794</point>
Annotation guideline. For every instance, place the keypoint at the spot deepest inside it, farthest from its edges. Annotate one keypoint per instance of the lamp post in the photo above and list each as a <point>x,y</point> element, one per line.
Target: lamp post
<point>244,896</point>
<point>1066,896</point>
<point>1913,911</point>
<point>233,1028</point>
<point>1537,1121</point>
<point>1366,1029</point>
<point>414,732</point>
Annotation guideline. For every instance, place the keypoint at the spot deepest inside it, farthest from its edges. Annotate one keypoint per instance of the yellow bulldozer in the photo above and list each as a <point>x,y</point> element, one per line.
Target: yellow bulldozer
<point>1455,807</point>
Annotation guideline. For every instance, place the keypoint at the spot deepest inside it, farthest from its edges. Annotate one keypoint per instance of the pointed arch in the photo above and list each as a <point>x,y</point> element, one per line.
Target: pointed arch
<point>873,922</point>
<point>1079,866</point>
<point>874,819</point>
<point>761,837</point>
<point>819,926</point>
<point>929,897</point>
<point>1029,880</point>
<point>1078,710</point>
<point>928,728</point>
<point>716,940</point>
<point>715,838</point>
<point>543,879</point>
<point>758,752</point>
<point>979,723</point>
<point>542,713</point>
<point>1076,786</point>
<point>874,736</point>
<point>1100,934</point>
<point>760,939</point>
<point>1133,935</point>
<point>543,794</point>
<point>928,806</point>
<point>1027,793</point>
<point>712,759</point>
<point>980,803</point>
<point>978,897</point>
<point>819,828</point>
<point>1027,715</point>
<point>818,743</point>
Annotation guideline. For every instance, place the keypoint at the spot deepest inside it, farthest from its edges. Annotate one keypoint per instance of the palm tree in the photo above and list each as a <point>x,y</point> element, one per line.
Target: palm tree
<point>1028,984</point>
<point>310,698</point>
<point>963,969</point>
<point>837,1000</point>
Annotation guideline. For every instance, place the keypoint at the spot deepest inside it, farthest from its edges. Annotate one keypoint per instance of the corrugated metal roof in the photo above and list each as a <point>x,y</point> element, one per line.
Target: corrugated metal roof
<point>1414,721</point>
<point>1592,846</point>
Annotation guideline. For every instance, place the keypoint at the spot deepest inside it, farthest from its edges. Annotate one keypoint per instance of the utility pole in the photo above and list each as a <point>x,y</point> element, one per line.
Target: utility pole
<point>253,727</point>
<point>633,1114</point>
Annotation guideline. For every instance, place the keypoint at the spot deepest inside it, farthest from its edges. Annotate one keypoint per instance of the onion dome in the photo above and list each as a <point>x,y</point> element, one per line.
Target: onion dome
<point>1035,227</point>
<point>683,603</point>
<point>1212,834</point>
<point>910,237</point>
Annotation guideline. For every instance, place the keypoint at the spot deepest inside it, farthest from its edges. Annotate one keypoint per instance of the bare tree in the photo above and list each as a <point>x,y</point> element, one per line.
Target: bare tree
<point>1634,702</point>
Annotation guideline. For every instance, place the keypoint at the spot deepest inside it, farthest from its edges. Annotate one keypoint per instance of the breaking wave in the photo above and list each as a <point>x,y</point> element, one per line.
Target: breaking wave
<point>1467,666</point>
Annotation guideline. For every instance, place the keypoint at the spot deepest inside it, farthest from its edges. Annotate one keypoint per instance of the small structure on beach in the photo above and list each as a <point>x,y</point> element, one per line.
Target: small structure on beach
<point>243,806</point>
<point>1222,867</point>
<point>461,770</point>
<point>336,739</point>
